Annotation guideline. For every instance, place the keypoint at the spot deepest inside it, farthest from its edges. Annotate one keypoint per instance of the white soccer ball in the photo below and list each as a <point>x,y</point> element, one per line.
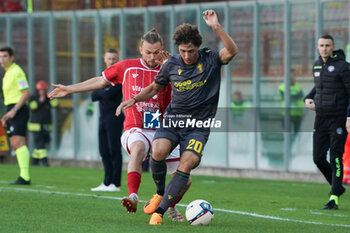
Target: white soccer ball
<point>199,212</point>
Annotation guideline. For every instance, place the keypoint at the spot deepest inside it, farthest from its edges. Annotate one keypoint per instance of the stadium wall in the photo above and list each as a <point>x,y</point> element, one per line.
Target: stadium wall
<point>273,37</point>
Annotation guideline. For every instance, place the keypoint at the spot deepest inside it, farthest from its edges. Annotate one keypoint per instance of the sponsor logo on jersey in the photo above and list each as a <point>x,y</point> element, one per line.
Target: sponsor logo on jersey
<point>188,85</point>
<point>137,88</point>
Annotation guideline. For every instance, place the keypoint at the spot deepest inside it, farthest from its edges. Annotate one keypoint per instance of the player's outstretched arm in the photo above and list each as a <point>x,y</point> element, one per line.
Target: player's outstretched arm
<point>144,95</point>
<point>88,85</point>
<point>231,49</point>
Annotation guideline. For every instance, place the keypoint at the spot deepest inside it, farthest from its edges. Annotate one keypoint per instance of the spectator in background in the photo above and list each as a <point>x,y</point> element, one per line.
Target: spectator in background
<point>10,5</point>
<point>110,129</point>
<point>40,122</point>
<point>16,92</point>
<point>238,104</point>
<point>296,102</point>
<point>330,99</point>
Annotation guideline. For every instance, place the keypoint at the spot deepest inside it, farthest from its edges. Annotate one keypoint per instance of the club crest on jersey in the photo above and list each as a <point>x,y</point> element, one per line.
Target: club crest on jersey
<point>339,131</point>
<point>317,74</point>
<point>199,66</point>
<point>135,75</point>
<point>331,68</point>
<point>179,71</point>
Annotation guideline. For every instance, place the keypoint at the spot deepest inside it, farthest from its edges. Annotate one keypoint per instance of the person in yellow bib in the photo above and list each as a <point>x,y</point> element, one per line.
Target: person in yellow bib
<point>296,103</point>
<point>16,92</point>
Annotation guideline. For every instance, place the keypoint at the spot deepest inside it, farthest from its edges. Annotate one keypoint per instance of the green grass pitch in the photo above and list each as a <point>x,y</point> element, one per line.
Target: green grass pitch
<point>59,200</point>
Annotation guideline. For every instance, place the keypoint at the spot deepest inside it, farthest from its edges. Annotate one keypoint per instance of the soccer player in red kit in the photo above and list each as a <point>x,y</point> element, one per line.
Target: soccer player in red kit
<point>134,75</point>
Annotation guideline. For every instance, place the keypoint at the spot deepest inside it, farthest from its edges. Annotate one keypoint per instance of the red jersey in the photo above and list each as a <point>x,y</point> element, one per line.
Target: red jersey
<point>135,75</point>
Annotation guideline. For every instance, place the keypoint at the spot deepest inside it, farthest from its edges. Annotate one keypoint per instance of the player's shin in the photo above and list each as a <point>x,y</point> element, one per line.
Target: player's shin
<point>173,189</point>
<point>159,170</point>
<point>23,158</point>
<point>134,180</point>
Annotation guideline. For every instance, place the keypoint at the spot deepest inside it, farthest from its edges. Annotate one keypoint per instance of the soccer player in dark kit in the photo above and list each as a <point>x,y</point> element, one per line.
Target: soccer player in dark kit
<point>195,78</point>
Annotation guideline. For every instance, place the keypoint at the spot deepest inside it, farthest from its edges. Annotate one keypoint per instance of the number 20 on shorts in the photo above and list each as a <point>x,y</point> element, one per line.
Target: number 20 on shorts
<point>195,145</point>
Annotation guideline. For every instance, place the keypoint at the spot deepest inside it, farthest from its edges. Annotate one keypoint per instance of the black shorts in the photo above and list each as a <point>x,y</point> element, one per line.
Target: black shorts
<point>190,139</point>
<point>18,125</point>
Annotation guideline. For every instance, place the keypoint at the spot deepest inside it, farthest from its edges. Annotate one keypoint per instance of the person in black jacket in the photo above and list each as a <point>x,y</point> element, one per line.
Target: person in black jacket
<point>330,99</point>
<point>110,129</point>
<point>40,122</point>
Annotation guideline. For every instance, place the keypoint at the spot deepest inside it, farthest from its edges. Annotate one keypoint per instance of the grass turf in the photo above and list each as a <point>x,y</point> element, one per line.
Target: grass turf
<point>65,204</point>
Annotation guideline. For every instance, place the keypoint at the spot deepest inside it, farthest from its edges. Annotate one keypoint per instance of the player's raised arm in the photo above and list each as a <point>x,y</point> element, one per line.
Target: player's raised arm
<point>231,49</point>
<point>88,85</point>
<point>144,95</point>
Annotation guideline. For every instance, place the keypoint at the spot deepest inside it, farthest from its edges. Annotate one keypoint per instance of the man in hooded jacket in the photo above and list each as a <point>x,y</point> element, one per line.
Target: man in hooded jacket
<point>330,99</point>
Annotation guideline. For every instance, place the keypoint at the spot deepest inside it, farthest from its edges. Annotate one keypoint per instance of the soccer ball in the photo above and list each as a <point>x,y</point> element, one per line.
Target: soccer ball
<point>199,212</point>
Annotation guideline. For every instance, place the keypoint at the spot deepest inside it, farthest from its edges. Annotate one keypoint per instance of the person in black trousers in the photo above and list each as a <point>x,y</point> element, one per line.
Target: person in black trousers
<point>330,99</point>
<point>40,122</point>
<point>110,129</point>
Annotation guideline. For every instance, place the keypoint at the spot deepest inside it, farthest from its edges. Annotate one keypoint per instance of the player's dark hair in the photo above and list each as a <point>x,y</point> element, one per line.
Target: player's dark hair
<point>328,37</point>
<point>7,49</point>
<point>152,37</point>
<point>187,33</point>
<point>110,50</point>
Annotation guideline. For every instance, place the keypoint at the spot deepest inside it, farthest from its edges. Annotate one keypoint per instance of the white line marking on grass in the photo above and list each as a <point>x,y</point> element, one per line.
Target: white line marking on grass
<point>182,205</point>
<point>288,209</point>
<point>316,213</point>
<point>327,214</point>
<point>36,185</point>
<point>280,219</point>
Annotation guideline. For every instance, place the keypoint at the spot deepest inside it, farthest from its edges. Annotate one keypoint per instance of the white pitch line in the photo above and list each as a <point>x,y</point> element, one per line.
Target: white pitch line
<point>182,205</point>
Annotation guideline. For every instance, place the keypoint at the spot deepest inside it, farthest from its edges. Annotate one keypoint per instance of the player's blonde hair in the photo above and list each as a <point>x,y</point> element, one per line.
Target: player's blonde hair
<point>152,37</point>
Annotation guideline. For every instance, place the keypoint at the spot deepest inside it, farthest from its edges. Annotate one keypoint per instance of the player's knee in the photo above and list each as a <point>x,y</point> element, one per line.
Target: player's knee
<point>137,150</point>
<point>159,153</point>
<point>16,143</point>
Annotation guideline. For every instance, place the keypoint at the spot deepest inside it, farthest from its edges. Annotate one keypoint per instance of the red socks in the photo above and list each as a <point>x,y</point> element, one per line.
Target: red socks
<point>134,180</point>
<point>177,200</point>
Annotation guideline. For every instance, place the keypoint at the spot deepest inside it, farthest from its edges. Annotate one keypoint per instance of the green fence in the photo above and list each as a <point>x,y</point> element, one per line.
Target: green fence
<point>273,37</point>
